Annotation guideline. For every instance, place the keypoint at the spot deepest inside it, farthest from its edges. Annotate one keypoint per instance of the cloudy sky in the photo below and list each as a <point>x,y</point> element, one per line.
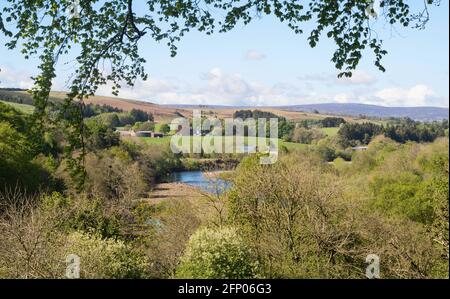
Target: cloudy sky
<point>264,63</point>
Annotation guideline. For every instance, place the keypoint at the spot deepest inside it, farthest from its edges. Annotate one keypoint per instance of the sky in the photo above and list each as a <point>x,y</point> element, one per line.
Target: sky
<point>265,63</point>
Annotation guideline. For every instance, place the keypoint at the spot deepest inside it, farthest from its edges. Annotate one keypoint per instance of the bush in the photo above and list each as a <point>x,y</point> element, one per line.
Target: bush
<point>144,126</point>
<point>219,254</point>
<point>306,136</point>
<point>106,258</point>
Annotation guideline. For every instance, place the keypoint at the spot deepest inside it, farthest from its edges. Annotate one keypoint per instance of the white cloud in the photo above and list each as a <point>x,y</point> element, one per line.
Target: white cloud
<point>221,88</point>
<point>417,95</point>
<point>342,98</point>
<point>254,55</point>
<point>217,88</point>
<point>359,77</point>
<point>14,78</point>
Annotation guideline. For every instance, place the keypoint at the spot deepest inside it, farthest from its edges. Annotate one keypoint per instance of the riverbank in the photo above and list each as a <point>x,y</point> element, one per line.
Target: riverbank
<point>168,191</point>
<point>209,164</point>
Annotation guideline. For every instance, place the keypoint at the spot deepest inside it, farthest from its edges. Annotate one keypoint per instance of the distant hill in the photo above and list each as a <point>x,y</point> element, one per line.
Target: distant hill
<point>416,113</point>
<point>165,113</point>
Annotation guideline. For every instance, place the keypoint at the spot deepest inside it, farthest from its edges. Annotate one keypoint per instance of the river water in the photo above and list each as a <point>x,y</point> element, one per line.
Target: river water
<point>201,180</point>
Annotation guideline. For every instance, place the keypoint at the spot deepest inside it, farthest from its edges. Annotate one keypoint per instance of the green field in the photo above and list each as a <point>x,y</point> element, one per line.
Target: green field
<point>28,109</point>
<point>330,131</point>
<point>247,141</point>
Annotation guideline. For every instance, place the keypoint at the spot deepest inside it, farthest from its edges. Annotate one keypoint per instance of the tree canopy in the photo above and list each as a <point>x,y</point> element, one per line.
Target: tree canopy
<point>110,30</point>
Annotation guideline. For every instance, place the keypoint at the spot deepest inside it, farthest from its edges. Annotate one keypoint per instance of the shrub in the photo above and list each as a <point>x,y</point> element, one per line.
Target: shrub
<point>106,258</point>
<point>220,254</point>
<point>307,136</point>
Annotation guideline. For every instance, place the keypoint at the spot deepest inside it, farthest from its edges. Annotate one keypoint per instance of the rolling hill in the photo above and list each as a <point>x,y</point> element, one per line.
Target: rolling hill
<point>165,113</point>
<point>416,113</point>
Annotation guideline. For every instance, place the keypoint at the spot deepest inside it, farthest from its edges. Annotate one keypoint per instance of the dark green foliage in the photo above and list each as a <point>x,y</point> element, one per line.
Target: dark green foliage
<point>139,115</point>
<point>100,136</point>
<point>352,134</point>
<point>164,128</point>
<point>17,120</point>
<point>95,109</point>
<point>144,126</point>
<point>19,149</point>
<point>113,120</point>
<point>400,130</point>
<point>285,128</point>
<point>409,130</point>
<point>255,114</point>
<point>332,122</point>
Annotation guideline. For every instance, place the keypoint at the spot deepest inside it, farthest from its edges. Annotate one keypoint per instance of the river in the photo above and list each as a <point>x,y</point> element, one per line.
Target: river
<point>201,180</point>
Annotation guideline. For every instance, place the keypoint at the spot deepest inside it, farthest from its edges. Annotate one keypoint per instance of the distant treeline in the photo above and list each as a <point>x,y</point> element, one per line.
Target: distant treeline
<point>332,122</point>
<point>11,95</point>
<point>255,114</point>
<point>120,119</point>
<point>91,110</point>
<point>327,122</point>
<point>114,117</point>
<point>402,131</point>
<point>12,89</point>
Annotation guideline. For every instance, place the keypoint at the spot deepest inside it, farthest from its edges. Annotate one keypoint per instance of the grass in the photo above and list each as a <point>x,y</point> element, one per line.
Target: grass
<point>247,141</point>
<point>330,131</point>
<point>293,145</point>
<point>163,140</point>
<point>28,109</point>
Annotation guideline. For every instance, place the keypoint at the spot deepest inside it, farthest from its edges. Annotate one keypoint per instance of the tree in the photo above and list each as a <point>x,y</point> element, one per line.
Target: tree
<point>304,220</point>
<point>144,126</point>
<point>352,134</point>
<point>330,122</point>
<point>164,128</point>
<point>306,136</point>
<point>139,115</point>
<point>100,136</point>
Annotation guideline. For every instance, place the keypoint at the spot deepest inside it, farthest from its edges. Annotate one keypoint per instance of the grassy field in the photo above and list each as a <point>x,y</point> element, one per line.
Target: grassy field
<point>28,109</point>
<point>247,141</point>
<point>330,131</point>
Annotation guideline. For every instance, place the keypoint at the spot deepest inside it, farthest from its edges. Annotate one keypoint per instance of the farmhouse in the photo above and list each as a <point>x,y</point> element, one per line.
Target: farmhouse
<point>359,148</point>
<point>150,134</point>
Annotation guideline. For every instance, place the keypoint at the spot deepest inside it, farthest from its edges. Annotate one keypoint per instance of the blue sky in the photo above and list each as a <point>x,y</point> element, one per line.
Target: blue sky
<point>264,63</point>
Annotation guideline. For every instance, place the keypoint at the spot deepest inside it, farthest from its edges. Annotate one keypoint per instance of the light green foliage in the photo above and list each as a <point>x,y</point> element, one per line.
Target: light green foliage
<point>100,136</point>
<point>216,253</point>
<point>396,193</point>
<point>306,136</point>
<point>330,131</point>
<point>307,220</point>
<point>27,109</point>
<point>162,128</point>
<point>105,258</point>
<point>144,126</point>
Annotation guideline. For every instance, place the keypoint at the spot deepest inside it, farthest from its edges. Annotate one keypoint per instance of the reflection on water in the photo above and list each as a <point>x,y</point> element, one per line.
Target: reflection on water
<point>200,180</point>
